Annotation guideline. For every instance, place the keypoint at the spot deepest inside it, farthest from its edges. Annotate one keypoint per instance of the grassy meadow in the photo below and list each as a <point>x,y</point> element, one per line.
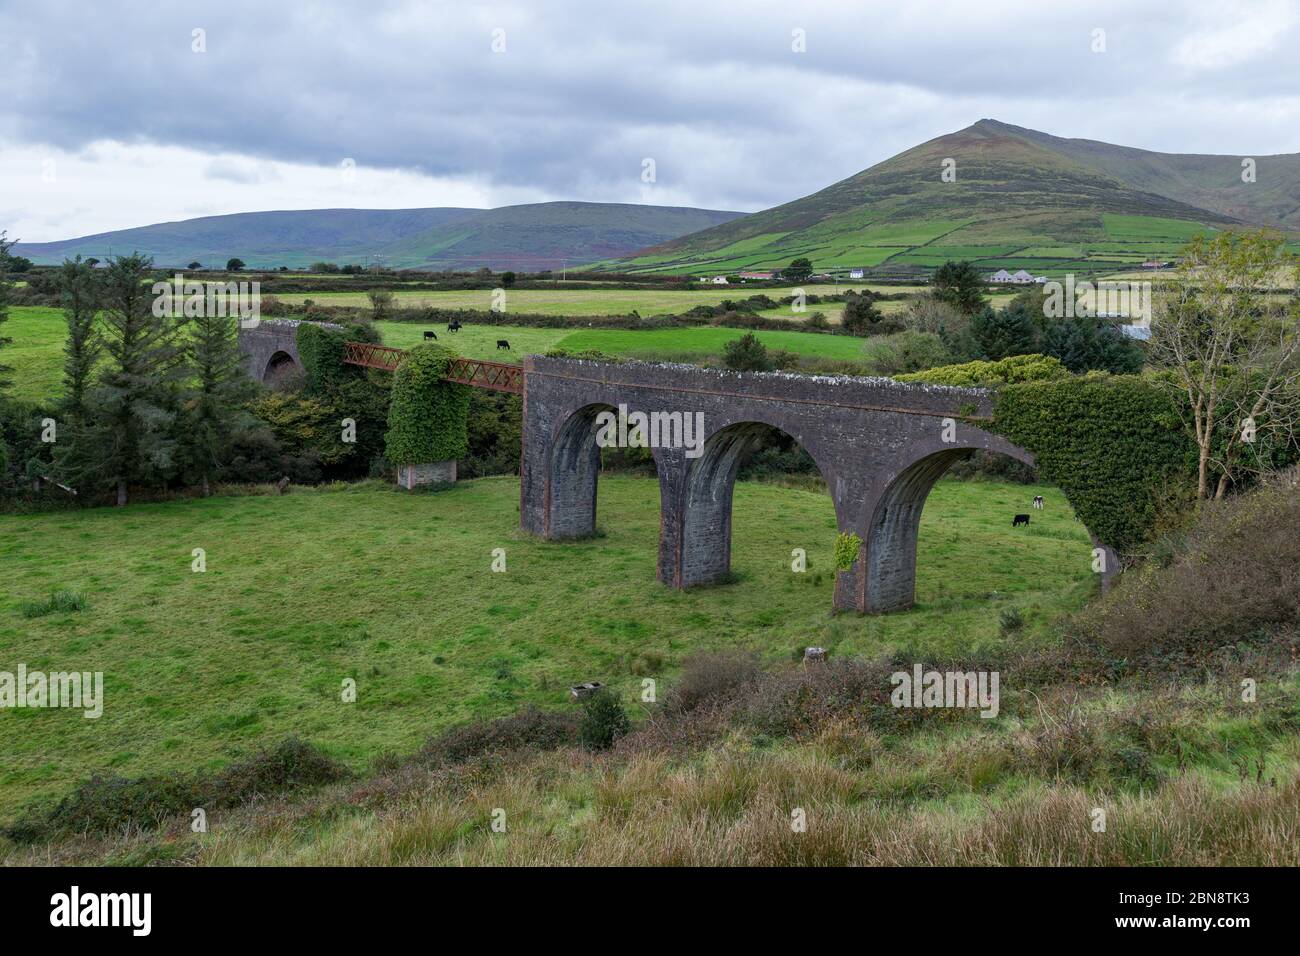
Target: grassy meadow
<point>579,302</point>
<point>38,334</point>
<point>395,591</point>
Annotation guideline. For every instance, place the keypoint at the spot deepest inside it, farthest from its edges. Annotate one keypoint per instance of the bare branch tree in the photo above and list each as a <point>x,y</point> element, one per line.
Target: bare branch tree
<point>1230,343</point>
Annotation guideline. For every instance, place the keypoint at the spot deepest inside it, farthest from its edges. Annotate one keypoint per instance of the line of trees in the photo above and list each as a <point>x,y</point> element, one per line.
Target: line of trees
<point>147,396</point>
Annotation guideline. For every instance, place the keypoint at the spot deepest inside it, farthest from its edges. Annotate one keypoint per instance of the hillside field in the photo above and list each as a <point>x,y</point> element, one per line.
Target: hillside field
<point>395,591</point>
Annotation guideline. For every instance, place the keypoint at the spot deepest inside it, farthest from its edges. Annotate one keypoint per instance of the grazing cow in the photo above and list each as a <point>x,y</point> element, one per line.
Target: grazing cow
<point>453,325</point>
<point>503,344</point>
<point>430,334</point>
<point>1038,502</point>
<point>1019,520</point>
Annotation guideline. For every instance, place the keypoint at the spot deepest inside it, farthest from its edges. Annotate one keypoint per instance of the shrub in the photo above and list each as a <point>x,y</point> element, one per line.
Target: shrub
<point>747,354</point>
<point>1017,368</point>
<point>1010,620</point>
<point>428,417</point>
<point>847,546</point>
<point>604,720</point>
<point>711,678</point>
<point>1232,579</point>
<point>530,729</point>
<point>107,805</point>
<point>905,351</point>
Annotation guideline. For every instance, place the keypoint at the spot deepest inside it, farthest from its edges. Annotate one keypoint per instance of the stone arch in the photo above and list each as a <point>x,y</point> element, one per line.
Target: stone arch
<point>890,543</point>
<point>572,468</point>
<point>705,539</point>
<point>281,367</point>
<point>887,561</point>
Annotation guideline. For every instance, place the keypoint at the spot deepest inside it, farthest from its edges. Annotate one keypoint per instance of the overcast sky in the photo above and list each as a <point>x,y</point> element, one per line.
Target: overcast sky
<point>112,117</point>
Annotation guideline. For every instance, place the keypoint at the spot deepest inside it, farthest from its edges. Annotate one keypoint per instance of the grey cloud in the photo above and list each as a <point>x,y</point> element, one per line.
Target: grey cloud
<point>713,92</point>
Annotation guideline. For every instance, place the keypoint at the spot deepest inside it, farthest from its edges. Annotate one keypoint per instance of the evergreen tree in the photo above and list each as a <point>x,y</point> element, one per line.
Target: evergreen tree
<point>860,314</point>
<point>960,285</point>
<point>214,407</point>
<point>131,413</point>
<point>1003,333</point>
<point>1084,345</point>
<point>79,293</point>
<point>4,307</point>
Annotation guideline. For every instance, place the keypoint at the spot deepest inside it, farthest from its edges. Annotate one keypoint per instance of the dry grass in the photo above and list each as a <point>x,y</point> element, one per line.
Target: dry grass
<point>1226,791</point>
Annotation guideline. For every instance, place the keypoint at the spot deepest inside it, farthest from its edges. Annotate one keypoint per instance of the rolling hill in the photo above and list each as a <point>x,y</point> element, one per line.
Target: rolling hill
<point>1020,199</point>
<point>525,237</point>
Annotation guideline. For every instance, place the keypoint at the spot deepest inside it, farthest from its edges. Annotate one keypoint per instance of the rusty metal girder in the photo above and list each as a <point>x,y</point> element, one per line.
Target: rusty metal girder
<point>497,376</point>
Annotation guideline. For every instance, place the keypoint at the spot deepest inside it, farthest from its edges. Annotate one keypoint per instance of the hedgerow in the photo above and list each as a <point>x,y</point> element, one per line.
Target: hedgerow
<point>1113,443</point>
<point>428,417</point>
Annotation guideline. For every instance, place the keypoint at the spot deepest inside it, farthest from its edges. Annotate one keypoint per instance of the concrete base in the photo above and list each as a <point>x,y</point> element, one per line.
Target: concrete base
<point>430,473</point>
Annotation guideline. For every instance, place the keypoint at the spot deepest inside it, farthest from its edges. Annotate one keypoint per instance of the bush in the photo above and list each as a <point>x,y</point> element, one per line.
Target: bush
<point>1010,620</point>
<point>904,352</point>
<point>108,805</point>
<point>604,720</point>
<point>847,547</point>
<point>747,354</point>
<point>711,678</point>
<point>428,417</point>
<point>1017,368</point>
<point>1233,578</point>
<point>530,729</point>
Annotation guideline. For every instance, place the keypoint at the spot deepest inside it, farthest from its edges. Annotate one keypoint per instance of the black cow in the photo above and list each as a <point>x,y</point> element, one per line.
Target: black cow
<point>430,334</point>
<point>503,344</point>
<point>1019,520</point>
<point>453,326</point>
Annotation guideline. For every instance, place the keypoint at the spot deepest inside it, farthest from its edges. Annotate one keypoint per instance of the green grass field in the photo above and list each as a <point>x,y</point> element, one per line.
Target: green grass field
<point>36,353</point>
<point>576,302</point>
<point>38,333</point>
<point>395,591</point>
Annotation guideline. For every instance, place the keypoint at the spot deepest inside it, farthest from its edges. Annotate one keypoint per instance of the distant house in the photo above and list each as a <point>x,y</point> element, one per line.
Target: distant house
<point>719,280</point>
<point>1140,332</point>
<point>1020,278</point>
<point>1154,264</point>
<point>855,273</point>
<point>758,275</point>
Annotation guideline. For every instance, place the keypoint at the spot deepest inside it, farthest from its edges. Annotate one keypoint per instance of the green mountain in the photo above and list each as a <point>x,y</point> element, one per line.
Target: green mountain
<point>526,237</point>
<point>1020,199</point>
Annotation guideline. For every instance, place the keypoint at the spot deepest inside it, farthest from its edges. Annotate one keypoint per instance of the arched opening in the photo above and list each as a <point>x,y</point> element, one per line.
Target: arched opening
<point>894,528</point>
<point>281,369</point>
<point>571,477</point>
<point>707,502</point>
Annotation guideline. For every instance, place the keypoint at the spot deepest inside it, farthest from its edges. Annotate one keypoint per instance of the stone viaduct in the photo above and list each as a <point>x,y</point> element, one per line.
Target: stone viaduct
<point>880,446</point>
